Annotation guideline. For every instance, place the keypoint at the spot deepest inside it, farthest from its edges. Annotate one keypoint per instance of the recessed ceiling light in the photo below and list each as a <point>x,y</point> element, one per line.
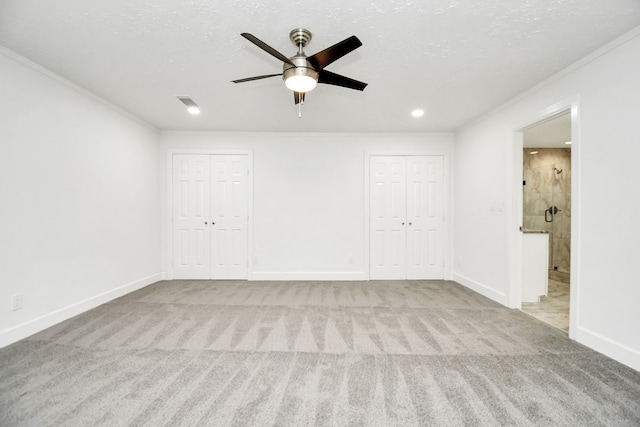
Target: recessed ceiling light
<point>192,107</point>
<point>533,152</point>
<point>417,113</point>
<point>568,143</point>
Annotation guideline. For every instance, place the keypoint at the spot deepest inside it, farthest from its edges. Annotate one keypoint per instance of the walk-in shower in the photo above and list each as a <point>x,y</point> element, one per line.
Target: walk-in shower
<point>547,200</point>
<point>551,215</point>
<point>553,210</point>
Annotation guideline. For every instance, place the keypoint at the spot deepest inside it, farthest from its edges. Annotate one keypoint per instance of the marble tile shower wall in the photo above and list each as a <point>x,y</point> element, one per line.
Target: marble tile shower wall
<point>543,188</point>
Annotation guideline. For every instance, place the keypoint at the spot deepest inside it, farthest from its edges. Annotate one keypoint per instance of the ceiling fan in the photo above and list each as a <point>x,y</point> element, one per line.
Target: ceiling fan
<point>301,73</point>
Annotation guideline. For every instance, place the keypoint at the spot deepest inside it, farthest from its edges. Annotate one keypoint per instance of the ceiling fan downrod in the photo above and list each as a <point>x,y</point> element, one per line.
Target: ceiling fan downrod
<point>300,37</point>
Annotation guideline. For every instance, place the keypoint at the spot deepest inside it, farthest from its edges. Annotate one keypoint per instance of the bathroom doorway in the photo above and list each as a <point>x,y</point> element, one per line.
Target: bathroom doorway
<point>547,210</point>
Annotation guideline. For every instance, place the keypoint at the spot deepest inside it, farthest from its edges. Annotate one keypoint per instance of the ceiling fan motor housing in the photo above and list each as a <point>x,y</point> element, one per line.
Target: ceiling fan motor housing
<point>302,68</point>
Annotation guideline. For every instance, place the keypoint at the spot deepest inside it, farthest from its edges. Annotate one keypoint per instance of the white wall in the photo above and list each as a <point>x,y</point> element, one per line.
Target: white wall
<point>604,91</point>
<point>309,196</point>
<point>79,195</point>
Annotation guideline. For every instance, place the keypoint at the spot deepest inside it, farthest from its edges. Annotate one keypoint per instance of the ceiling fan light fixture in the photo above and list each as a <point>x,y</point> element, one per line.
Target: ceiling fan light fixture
<point>301,77</point>
<point>300,83</point>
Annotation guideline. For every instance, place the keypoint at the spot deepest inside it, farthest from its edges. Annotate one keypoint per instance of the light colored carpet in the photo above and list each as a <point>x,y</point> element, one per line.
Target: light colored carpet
<point>310,353</point>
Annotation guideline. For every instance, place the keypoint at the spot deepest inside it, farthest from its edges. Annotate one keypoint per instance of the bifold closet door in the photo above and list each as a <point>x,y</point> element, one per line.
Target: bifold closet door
<point>210,217</point>
<point>406,217</point>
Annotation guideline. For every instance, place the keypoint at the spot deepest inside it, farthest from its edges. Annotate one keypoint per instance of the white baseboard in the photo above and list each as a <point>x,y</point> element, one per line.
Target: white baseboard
<point>481,289</point>
<point>593,340</point>
<point>303,275</point>
<point>608,347</point>
<point>26,329</point>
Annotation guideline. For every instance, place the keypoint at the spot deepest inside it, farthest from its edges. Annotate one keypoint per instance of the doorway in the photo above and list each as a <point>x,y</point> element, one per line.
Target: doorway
<point>546,209</point>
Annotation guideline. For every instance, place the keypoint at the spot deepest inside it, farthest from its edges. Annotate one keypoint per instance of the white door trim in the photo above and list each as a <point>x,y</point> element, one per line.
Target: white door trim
<point>447,231</point>
<point>169,202</point>
<point>514,201</point>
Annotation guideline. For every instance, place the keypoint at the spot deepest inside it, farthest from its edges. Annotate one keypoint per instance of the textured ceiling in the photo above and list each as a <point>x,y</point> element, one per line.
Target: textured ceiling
<point>454,59</point>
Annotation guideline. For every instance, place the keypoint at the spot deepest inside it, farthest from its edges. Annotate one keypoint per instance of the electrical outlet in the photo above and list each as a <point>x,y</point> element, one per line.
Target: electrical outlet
<point>350,259</point>
<point>16,302</point>
<point>255,259</point>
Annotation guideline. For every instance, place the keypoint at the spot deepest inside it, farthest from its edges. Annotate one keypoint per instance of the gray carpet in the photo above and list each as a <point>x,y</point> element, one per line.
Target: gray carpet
<point>310,353</point>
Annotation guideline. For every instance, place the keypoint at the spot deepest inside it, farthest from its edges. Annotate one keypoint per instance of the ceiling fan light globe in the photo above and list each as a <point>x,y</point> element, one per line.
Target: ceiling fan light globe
<point>300,83</point>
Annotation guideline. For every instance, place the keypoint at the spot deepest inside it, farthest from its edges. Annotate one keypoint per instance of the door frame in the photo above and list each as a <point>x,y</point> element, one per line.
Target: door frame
<point>515,202</point>
<point>169,205</point>
<point>447,247</point>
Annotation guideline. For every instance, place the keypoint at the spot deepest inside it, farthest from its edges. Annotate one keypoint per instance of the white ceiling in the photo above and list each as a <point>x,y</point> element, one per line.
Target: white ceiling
<point>455,59</point>
<point>551,133</point>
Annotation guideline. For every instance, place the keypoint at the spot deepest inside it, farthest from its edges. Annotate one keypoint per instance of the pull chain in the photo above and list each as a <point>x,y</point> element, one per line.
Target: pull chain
<point>300,103</point>
<point>300,94</point>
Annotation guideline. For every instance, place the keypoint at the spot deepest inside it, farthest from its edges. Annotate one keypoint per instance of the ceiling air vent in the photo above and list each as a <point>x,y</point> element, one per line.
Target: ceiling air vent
<point>191,105</point>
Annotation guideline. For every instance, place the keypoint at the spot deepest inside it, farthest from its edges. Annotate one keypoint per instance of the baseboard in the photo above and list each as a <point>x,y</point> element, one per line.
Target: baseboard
<point>593,340</point>
<point>608,347</point>
<point>303,275</point>
<point>26,329</point>
<point>481,289</point>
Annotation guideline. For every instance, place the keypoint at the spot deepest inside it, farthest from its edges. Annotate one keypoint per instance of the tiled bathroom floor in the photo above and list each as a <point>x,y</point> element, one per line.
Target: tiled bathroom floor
<point>554,308</point>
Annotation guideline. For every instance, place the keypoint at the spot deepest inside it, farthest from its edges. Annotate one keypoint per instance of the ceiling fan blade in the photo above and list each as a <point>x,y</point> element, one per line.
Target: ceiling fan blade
<point>337,51</point>
<point>262,45</point>
<point>298,97</point>
<point>248,79</point>
<point>327,77</point>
